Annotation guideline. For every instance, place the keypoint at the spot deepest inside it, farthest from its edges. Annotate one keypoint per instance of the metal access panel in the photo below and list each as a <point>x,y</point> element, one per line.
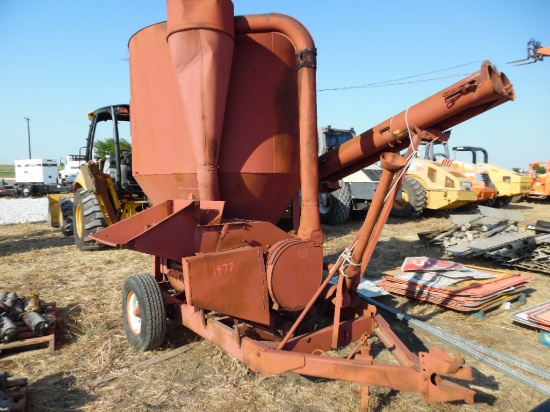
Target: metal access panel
<point>232,282</point>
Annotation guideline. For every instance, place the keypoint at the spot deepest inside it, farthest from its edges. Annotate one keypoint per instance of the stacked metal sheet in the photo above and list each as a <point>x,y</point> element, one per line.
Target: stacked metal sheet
<point>494,234</point>
<point>466,289</point>
<point>537,317</point>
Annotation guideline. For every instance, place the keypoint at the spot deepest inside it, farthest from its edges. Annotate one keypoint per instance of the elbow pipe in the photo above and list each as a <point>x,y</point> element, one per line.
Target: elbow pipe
<point>310,223</point>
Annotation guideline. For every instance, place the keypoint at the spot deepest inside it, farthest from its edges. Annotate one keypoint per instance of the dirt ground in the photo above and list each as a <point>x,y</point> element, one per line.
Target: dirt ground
<point>91,342</point>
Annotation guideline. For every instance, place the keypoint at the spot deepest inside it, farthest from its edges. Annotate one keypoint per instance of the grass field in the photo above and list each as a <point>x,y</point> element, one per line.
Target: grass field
<point>7,171</point>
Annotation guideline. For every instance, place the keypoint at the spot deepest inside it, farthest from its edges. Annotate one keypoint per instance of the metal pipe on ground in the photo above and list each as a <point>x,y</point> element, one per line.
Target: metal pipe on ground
<point>477,351</point>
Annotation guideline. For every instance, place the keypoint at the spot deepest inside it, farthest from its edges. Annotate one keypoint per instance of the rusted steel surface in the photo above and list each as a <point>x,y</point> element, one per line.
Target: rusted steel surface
<point>391,164</point>
<point>224,135</point>
<point>479,92</point>
<point>258,165</point>
<point>201,40</point>
<point>424,375</point>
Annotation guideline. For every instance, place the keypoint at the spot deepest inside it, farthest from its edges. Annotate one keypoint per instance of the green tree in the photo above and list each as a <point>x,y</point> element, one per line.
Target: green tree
<point>517,169</point>
<point>103,148</point>
<point>541,170</point>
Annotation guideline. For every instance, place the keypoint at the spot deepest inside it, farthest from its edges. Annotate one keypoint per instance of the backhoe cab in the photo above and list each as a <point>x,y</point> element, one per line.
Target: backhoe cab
<point>104,189</point>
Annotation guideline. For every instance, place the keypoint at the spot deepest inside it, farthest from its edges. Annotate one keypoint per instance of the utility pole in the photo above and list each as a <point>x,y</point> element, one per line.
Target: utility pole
<point>28,119</point>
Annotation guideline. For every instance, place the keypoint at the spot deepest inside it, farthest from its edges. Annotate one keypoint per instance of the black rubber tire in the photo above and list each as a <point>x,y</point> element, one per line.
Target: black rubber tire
<point>88,219</point>
<point>413,202</point>
<point>146,330</point>
<point>489,202</point>
<point>502,201</point>
<point>65,215</point>
<point>335,207</point>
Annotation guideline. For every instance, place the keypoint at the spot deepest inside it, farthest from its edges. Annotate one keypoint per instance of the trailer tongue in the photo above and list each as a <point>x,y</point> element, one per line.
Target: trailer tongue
<point>224,135</point>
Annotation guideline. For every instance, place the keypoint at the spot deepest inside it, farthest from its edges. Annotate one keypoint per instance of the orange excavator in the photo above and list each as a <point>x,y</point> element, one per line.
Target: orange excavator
<point>539,172</point>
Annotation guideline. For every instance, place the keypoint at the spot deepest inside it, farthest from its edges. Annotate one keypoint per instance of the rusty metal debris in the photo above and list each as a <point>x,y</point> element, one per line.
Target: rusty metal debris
<point>13,393</point>
<point>469,289</point>
<point>536,317</point>
<point>494,234</point>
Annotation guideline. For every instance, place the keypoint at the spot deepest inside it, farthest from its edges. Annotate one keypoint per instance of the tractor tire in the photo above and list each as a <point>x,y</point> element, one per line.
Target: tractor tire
<point>143,312</point>
<point>88,219</point>
<point>490,202</point>
<point>65,214</point>
<point>413,200</point>
<point>502,201</point>
<point>335,207</point>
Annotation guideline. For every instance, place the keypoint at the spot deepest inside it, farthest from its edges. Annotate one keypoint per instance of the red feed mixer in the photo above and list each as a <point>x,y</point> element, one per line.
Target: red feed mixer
<point>224,126</point>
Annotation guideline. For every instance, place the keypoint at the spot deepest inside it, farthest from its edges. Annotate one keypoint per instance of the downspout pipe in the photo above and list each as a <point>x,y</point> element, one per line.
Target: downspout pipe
<point>306,64</point>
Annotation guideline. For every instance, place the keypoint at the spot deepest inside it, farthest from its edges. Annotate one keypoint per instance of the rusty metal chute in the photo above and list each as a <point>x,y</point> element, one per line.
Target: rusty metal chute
<point>224,130</point>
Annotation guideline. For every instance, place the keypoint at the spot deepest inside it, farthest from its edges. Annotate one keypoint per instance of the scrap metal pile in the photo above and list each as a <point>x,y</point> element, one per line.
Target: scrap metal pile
<point>536,317</point>
<point>19,313</point>
<point>454,286</point>
<point>495,234</point>
<point>13,393</point>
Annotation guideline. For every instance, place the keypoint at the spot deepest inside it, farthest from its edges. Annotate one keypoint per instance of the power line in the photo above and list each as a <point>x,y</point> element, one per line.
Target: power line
<point>398,81</point>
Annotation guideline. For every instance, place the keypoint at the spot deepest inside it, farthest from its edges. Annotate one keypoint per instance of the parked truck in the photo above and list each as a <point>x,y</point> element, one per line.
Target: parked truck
<point>104,190</point>
<point>37,177</point>
<point>427,185</point>
<point>224,137</point>
<point>71,168</point>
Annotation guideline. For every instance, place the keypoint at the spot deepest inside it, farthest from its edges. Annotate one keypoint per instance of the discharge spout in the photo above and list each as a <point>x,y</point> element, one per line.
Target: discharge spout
<point>477,93</point>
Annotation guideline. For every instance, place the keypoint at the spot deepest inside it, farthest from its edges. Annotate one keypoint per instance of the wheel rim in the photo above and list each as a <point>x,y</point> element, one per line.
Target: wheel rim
<point>403,202</point>
<point>78,218</point>
<point>133,313</point>
<point>324,203</point>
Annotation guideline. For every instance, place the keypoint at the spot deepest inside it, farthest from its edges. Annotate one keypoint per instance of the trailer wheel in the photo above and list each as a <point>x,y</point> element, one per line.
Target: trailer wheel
<point>88,219</point>
<point>143,312</point>
<point>335,207</point>
<point>65,214</point>
<point>26,191</point>
<point>413,199</point>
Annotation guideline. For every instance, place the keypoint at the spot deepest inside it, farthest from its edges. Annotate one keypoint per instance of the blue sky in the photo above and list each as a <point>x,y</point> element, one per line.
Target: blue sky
<point>61,59</point>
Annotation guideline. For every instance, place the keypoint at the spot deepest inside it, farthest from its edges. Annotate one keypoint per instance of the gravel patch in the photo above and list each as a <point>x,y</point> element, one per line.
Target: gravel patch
<point>25,210</point>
